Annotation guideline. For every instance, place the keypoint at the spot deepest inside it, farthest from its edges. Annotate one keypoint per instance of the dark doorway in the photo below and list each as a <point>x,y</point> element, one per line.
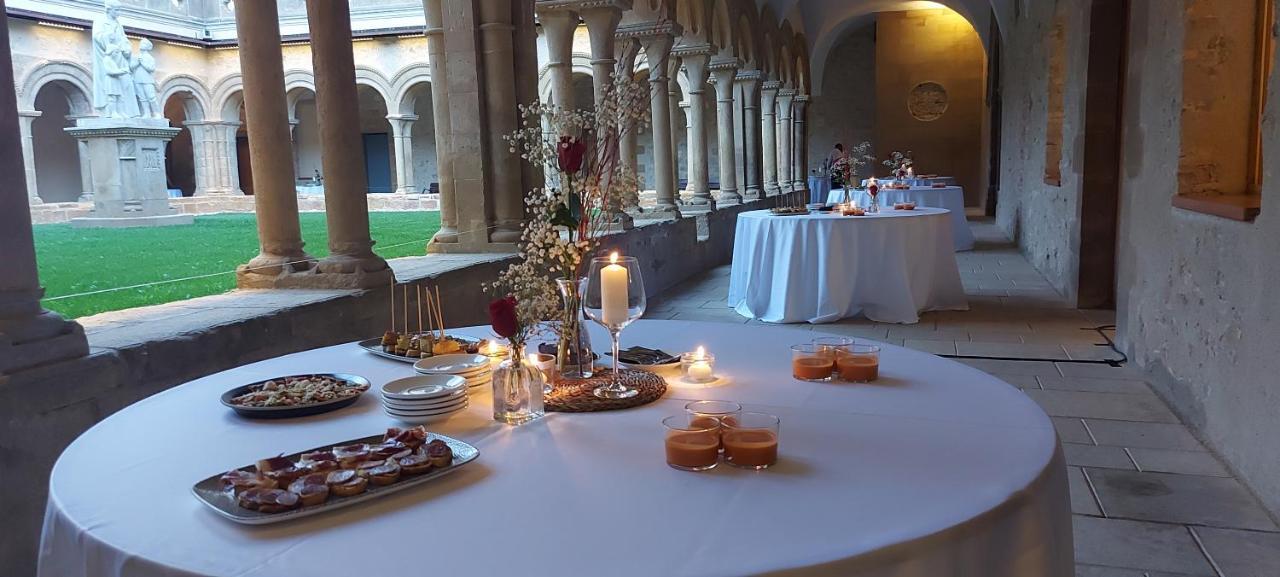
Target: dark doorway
<point>1100,193</point>
<point>242,164</point>
<point>377,161</point>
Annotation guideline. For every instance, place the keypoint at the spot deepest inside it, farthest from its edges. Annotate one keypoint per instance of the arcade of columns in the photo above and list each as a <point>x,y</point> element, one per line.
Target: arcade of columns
<point>483,58</point>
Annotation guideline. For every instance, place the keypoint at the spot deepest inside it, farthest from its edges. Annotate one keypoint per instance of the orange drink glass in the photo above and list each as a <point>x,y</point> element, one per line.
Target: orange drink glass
<point>692,445</point>
<point>751,440</point>
<point>858,363</point>
<point>812,363</point>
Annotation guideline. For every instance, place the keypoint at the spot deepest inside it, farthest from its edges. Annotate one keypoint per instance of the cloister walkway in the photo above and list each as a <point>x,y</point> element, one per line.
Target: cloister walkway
<point>1149,499</point>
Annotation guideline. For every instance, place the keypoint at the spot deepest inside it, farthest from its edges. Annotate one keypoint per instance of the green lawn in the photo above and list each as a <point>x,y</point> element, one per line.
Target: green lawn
<point>74,261</point>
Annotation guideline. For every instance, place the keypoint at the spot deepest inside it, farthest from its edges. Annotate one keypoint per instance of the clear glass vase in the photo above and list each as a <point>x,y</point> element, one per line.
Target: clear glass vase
<point>847,198</point>
<point>517,390</point>
<point>574,359</point>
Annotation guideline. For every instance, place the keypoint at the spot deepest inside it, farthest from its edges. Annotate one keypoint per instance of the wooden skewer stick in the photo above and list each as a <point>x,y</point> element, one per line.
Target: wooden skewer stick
<point>439,311</point>
<point>406,309</point>
<point>419,289</point>
<point>393,305</point>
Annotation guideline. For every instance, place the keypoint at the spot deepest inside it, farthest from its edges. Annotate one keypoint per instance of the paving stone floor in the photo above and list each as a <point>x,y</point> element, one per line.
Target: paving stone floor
<point>1149,500</point>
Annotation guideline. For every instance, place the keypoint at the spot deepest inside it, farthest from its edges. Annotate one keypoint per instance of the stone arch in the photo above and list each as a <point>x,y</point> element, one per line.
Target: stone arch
<point>404,82</point>
<point>228,95</point>
<point>748,46</point>
<point>692,16</point>
<point>580,63</point>
<point>71,74</point>
<point>197,100</point>
<point>56,156</point>
<point>722,32</point>
<point>366,76</point>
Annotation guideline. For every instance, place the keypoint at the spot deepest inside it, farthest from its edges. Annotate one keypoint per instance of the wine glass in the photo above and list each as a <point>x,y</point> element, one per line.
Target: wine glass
<point>613,298</point>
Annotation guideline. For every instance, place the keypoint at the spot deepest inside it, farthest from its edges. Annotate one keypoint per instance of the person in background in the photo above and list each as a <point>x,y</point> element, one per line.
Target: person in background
<point>837,152</point>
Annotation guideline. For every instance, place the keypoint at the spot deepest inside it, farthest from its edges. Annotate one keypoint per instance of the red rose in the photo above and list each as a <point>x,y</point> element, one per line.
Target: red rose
<point>502,316</point>
<point>571,152</point>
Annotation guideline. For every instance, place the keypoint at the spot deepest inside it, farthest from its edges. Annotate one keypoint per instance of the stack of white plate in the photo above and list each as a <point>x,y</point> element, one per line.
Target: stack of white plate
<point>475,369</point>
<point>424,398</point>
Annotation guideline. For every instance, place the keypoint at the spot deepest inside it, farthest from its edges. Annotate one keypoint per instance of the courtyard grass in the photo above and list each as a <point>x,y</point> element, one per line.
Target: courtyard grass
<point>74,261</point>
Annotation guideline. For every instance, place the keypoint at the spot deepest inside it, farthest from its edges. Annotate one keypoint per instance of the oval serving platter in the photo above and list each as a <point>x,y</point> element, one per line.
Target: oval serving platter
<point>209,491</point>
<point>295,410</point>
<point>374,346</point>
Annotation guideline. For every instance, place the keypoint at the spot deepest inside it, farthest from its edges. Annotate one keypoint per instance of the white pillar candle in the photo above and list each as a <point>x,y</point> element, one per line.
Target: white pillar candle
<point>613,293</point>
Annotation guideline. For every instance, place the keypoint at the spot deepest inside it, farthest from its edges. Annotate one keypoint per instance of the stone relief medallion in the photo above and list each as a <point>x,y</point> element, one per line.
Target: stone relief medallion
<point>927,101</point>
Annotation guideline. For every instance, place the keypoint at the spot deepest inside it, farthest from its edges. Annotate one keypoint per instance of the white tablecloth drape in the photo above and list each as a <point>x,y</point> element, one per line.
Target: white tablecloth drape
<point>950,198</point>
<point>937,470</point>
<point>921,181</point>
<point>824,267</point>
<point>819,187</point>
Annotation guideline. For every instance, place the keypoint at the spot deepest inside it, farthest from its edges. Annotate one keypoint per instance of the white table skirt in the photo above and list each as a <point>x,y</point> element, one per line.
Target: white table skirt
<point>920,181</point>
<point>825,267</point>
<point>950,198</point>
<point>819,187</point>
<point>938,470</point>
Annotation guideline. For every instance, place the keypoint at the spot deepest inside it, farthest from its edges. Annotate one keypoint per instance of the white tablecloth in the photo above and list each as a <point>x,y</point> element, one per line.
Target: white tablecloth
<point>825,267</point>
<point>819,186</point>
<point>950,198</point>
<point>938,470</point>
<point>920,181</point>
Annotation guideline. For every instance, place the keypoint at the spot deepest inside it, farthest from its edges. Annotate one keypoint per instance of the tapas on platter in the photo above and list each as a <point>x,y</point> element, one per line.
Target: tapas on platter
<point>295,395</point>
<point>281,488</point>
<point>428,340</point>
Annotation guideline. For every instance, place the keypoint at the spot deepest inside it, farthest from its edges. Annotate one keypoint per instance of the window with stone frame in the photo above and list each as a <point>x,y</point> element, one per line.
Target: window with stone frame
<point>1057,81</point>
<point>1226,61</point>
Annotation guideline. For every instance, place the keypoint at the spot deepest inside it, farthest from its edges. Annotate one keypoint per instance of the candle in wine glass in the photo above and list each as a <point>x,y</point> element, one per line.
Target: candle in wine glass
<point>613,292</point>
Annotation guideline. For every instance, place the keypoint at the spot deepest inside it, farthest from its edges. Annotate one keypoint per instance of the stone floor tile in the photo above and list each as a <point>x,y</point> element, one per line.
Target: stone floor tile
<point>1092,352</point>
<point>1100,571</point>
<point>1082,501</point>
<point>1011,351</point>
<point>726,316</point>
<point>926,333</point>
<point>1020,381</point>
<point>1089,455</point>
<point>931,347</point>
<point>1095,385</point>
<point>1167,498</point>
<point>1145,435</point>
<point>1124,544</point>
<point>1099,371</point>
<point>867,331</point>
<point>1146,408</point>
<point>1241,553</point>
<point>1181,462</point>
<point>1012,367</point>
<point>1072,430</point>
<point>994,337</point>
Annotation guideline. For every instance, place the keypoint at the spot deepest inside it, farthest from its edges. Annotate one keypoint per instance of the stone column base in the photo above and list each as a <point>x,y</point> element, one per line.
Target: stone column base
<point>44,338</point>
<point>466,247</point>
<point>313,279</point>
<point>772,190</point>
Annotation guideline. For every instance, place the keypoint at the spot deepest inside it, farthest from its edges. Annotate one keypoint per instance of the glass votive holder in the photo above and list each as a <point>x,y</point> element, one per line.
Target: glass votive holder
<point>692,443</point>
<point>829,345</point>
<point>706,413</point>
<point>751,440</point>
<point>698,366</point>
<point>858,363</point>
<point>812,363</point>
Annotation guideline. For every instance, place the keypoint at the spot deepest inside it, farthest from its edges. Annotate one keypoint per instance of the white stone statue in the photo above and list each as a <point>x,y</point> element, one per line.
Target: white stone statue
<point>113,90</point>
<point>144,81</point>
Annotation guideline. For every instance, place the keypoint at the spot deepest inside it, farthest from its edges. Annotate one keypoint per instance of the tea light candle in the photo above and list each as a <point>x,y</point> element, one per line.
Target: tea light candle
<point>495,350</point>
<point>698,366</point>
<point>613,293</point>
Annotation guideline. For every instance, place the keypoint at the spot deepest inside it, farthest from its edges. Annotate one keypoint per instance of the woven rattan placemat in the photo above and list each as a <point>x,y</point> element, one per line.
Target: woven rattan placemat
<point>576,396</point>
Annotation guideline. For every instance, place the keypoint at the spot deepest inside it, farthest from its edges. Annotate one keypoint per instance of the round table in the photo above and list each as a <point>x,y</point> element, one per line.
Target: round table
<point>819,187</point>
<point>937,469</point>
<point>948,197</point>
<point>823,267</point>
<point>922,181</point>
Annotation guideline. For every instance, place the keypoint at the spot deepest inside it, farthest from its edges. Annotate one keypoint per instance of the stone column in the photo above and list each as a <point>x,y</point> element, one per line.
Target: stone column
<point>442,116</point>
<point>800,144</point>
<point>657,49</point>
<point>785,180</point>
<point>695,70</point>
<point>29,334</point>
<point>673,94</point>
<point>86,171</point>
<point>502,118</point>
<point>769,131</point>
<point>723,73</point>
<point>602,20</point>
<point>351,262</point>
<point>749,85</point>
<point>25,119</point>
<point>559,24</point>
<point>270,150</point>
<point>402,135</point>
<point>214,145</point>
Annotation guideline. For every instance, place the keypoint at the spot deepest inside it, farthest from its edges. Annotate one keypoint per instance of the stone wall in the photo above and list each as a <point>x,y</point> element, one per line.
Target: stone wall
<point>846,111</point>
<point>1043,218</point>
<point>139,352</point>
<point>1195,305</point>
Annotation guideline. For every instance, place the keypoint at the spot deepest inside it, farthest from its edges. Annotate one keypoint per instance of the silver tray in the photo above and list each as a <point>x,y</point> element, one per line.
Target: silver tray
<point>374,346</point>
<point>210,491</point>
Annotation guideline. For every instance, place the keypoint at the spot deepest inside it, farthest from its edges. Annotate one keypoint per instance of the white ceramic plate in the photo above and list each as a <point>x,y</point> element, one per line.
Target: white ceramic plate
<point>423,420</point>
<point>450,364</point>
<point>423,406</point>
<point>430,413</point>
<point>423,387</point>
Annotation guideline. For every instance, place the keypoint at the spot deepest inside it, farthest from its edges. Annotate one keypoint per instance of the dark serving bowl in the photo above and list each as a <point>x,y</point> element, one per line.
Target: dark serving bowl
<point>295,410</point>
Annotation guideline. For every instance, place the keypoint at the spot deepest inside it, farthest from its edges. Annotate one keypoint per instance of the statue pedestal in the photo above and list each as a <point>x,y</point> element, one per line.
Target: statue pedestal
<point>126,165</point>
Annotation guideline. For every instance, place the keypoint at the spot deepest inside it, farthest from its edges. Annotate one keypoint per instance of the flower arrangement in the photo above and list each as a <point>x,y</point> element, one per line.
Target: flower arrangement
<point>847,165</point>
<point>899,163</point>
<point>587,187</point>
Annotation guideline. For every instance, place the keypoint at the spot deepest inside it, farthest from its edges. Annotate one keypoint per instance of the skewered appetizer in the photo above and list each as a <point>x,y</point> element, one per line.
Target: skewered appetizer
<point>278,484</point>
